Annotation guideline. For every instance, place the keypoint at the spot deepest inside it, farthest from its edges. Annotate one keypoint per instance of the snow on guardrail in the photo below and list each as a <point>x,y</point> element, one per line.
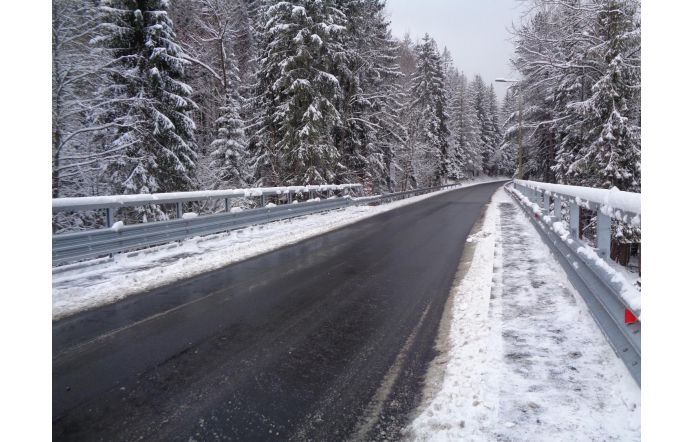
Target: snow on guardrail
<point>92,202</point>
<point>612,202</point>
<point>629,294</point>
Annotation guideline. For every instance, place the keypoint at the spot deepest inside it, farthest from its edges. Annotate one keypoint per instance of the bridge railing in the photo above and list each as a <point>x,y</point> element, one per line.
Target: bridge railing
<point>117,237</point>
<point>113,202</point>
<point>623,206</point>
<point>611,298</point>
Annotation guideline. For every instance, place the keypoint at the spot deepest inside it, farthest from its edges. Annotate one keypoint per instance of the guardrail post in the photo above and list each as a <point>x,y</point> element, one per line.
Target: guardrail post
<point>262,200</point>
<point>311,194</point>
<point>109,216</point>
<point>361,192</point>
<point>603,235</point>
<point>546,202</point>
<point>343,191</point>
<point>574,220</point>
<point>109,222</point>
<point>558,208</point>
<point>226,205</point>
<point>289,197</point>
<point>179,210</point>
<point>328,193</point>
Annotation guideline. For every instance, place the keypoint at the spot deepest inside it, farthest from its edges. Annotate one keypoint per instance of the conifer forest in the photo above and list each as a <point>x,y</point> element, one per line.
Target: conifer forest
<point>179,95</point>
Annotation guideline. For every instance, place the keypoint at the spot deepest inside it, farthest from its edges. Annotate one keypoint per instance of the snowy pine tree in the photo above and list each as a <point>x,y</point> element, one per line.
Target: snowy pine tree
<point>452,82</point>
<point>211,32</point>
<point>488,132</point>
<point>230,155</point>
<point>298,92</point>
<point>147,101</point>
<point>496,158</point>
<point>581,66</point>
<point>369,124</point>
<point>217,23</point>
<point>509,150</point>
<point>612,144</point>
<point>466,132</point>
<point>580,63</point>
<point>429,101</point>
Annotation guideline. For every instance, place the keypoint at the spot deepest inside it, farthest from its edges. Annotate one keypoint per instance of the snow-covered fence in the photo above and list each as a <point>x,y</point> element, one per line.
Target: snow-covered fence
<point>110,203</point>
<point>611,298</point>
<point>118,237</point>
<point>623,206</point>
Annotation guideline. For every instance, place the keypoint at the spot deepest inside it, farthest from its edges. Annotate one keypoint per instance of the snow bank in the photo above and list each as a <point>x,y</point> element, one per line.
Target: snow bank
<point>459,403</point>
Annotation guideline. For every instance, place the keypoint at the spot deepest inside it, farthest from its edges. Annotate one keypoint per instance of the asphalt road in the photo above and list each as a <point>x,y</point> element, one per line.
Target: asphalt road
<point>327,339</point>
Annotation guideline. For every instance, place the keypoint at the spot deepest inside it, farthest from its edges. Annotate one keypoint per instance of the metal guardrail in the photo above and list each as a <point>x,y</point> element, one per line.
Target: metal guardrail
<point>76,246</point>
<point>591,277</point>
<point>624,206</point>
<point>110,203</point>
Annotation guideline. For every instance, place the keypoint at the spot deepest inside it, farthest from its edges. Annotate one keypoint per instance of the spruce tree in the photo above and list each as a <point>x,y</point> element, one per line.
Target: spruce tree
<point>465,132</point>
<point>298,92</point>
<point>429,100</point>
<point>509,149</point>
<point>230,157</point>
<point>369,125</point>
<point>212,31</point>
<point>147,100</point>
<point>496,159</point>
<point>481,100</point>
<point>612,140</point>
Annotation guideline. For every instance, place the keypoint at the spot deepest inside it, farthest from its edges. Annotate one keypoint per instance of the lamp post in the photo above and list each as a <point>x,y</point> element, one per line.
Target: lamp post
<point>503,80</point>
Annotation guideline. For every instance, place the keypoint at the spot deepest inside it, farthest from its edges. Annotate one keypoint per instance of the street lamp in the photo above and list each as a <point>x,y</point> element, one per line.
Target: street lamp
<point>503,80</point>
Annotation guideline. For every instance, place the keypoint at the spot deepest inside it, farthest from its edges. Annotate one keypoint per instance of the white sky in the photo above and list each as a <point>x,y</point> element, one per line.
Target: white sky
<point>474,31</point>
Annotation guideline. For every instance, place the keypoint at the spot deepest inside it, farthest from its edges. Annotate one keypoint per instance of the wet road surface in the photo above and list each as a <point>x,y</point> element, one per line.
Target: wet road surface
<point>327,339</point>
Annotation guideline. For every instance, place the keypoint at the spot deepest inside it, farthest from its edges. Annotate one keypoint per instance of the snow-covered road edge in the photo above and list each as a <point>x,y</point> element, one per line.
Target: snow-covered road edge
<point>462,381</point>
<point>462,400</point>
<point>86,288</point>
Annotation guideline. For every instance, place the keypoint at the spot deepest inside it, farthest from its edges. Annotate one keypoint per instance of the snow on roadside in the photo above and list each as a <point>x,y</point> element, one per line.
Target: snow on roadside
<point>83,288</point>
<point>630,294</point>
<point>526,361</point>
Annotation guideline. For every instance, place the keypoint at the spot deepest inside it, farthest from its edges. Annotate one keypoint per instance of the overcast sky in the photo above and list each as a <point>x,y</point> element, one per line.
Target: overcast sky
<point>475,31</point>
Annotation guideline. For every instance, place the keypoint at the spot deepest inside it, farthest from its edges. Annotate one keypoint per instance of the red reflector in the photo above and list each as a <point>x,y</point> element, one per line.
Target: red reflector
<point>536,215</point>
<point>630,317</point>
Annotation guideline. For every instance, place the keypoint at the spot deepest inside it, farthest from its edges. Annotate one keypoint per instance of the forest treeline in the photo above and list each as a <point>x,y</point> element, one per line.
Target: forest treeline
<point>580,66</point>
<point>160,96</point>
<point>580,69</point>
